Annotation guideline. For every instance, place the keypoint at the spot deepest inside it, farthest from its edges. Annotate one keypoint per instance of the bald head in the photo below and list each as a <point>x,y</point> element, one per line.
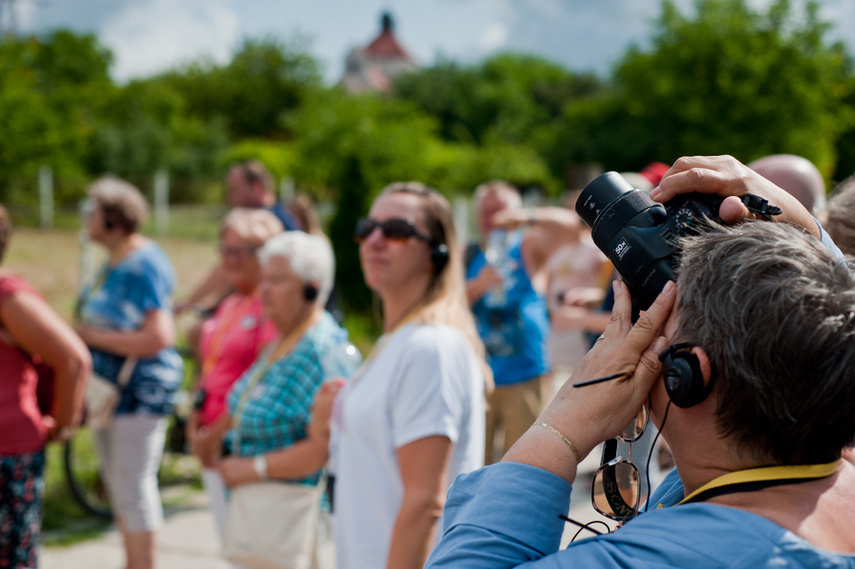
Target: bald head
<point>797,175</point>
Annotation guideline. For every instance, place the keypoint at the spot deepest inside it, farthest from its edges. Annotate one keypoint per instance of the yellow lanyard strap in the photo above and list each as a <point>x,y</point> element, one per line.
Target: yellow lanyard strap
<point>758,478</point>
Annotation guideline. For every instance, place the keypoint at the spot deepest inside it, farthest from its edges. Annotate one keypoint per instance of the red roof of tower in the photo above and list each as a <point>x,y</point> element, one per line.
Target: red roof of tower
<point>386,44</point>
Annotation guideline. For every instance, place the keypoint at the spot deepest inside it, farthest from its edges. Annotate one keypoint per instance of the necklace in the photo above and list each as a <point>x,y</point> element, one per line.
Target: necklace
<point>758,478</point>
<point>215,346</point>
<point>270,356</point>
<point>378,347</point>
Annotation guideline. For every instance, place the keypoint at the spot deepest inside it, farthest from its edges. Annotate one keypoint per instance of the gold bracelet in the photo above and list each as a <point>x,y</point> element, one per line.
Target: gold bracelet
<point>562,437</point>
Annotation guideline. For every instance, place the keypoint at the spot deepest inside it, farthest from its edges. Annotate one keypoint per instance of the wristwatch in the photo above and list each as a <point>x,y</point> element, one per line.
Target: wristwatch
<point>259,464</point>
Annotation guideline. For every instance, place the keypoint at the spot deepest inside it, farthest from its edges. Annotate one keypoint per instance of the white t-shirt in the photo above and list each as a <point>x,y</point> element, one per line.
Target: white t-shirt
<point>424,381</point>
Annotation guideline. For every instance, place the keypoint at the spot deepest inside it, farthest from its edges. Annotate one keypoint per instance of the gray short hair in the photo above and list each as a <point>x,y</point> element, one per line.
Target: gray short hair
<point>310,256</point>
<point>122,203</point>
<point>775,311</point>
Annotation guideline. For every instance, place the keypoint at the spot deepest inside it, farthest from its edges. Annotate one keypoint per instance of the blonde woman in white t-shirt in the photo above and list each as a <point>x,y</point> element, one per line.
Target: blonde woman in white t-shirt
<point>412,417</point>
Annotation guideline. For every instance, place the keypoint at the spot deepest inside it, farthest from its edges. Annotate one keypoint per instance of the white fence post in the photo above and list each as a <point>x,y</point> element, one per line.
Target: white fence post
<point>461,218</point>
<point>161,202</point>
<point>45,197</point>
<point>286,190</point>
<point>86,268</point>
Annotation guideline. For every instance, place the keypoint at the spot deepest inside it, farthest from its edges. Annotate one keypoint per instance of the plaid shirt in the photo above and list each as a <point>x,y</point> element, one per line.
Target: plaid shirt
<point>279,409</point>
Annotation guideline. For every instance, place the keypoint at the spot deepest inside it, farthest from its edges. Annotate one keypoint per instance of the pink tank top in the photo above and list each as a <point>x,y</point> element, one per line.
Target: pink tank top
<point>21,427</point>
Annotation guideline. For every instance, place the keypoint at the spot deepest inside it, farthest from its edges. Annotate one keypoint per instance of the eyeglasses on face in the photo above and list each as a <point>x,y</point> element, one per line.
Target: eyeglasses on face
<point>247,251</point>
<point>395,228</point>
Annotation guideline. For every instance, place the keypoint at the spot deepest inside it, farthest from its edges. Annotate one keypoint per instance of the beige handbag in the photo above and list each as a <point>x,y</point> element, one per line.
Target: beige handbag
<point>103,396</point>
<point>273,525</point>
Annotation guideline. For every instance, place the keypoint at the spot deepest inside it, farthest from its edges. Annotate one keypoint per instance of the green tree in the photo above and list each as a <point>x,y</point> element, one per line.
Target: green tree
<point>394,140</point>
<point>147,126</point>
<point>502,116</point>
<point>730,79</point>
<point>352,204</point>
<point>508,96</point>
<point>52,90</point>
<point>265,81</point>
<point>389,138</point>
<point>845,146</point>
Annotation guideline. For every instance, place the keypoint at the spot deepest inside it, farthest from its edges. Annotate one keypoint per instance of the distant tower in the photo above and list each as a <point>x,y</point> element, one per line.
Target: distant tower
<point>374,67</point>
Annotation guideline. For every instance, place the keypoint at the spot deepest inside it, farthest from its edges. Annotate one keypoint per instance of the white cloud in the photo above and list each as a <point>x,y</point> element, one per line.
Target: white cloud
<point>151,36</point>
<point>24,14</point>
<point>494,37</point>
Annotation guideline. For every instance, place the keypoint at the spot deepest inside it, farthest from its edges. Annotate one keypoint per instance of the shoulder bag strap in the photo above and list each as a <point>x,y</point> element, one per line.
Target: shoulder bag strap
<point>126,372</point>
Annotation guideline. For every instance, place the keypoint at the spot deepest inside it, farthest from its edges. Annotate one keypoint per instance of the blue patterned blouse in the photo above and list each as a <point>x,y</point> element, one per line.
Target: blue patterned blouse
<point>279,408</point>
<point>119,300</point>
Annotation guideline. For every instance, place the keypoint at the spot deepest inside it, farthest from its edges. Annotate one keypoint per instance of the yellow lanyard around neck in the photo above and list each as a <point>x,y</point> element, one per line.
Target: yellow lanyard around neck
<point>270,356</point>
<point>385,339</point>
<point>758,478</point>
<point>223,327</point>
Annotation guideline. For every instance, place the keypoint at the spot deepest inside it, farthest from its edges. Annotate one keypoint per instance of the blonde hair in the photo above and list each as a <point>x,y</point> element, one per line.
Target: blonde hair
<point>255,226</point>
<point>445,302</point>
<point>303,208</point>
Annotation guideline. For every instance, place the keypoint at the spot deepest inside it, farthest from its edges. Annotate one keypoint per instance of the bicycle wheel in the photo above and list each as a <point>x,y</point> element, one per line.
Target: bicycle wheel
<point>83,475</point>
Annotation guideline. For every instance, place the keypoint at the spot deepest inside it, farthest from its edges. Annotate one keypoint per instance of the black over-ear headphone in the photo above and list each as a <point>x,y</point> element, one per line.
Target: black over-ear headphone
<point>684,380</point>
<point>310,292</point>
<point>438,256</point>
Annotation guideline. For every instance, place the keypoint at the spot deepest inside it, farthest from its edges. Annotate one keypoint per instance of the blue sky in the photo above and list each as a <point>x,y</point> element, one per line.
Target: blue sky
<point>149,36</point>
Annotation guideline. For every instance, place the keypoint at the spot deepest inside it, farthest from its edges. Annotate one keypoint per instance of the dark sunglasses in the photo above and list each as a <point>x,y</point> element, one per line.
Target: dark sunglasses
<point>616,487</point>
<point>395,228</point>
<point>616,491</point>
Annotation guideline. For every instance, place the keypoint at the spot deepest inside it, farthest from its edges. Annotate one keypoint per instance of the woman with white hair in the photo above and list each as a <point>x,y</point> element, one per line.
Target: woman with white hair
<point>125,317</point>
<point>268,409</point>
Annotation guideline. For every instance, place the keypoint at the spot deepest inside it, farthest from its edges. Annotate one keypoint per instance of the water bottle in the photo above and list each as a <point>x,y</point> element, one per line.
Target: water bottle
<point>341,360</point>
<point>497,255</point>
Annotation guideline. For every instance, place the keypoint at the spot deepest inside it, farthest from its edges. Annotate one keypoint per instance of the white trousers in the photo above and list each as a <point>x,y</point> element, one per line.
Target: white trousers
<point>131,449</point>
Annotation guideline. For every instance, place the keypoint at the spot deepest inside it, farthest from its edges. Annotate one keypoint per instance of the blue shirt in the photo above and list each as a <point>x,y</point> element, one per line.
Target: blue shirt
<point>280,405</point>
<point>514,333</point>
<point>283,215</point>
<point>140,283</point>
<point>506,515</point>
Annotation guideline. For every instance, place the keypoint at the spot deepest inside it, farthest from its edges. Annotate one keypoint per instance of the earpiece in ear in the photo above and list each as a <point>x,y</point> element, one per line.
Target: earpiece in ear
<point>684,380</point>
<point>310,292</point>
<point>439,257</point>
<point>108,223</point>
